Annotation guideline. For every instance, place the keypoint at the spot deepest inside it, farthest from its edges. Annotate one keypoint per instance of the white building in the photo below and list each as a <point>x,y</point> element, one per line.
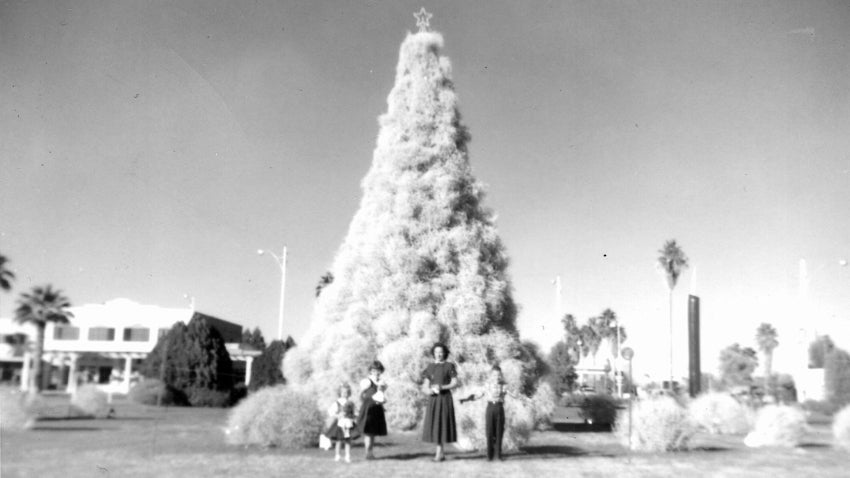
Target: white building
<point>106,343</point>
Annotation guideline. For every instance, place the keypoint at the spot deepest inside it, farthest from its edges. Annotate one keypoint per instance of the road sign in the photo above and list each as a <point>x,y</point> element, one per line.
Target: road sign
<point>628,353</point>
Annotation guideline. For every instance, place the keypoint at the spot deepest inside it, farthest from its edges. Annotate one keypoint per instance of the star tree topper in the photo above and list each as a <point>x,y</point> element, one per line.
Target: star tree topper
<point>423,20</point>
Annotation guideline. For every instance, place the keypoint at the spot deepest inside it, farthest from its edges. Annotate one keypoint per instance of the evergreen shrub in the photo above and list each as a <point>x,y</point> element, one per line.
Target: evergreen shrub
<point>89,400</point>
<point>204,397</point>
<point>836,376</point>
<point>275,416</point>
<point>777,425</point>
<point>599,409</point>
<point>267,369</point>
<point>237,393</point>
<point>147,392</point>
<point>195,358</point>
<point>719,413</point>
<point>820,406</point>
<point>785,388</point>
<point>841,428</point>
<point>659,424</point>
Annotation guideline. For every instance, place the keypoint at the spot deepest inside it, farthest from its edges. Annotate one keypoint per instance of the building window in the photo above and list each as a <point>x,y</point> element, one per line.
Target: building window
<point>162,333</point>
<point>101,333</point>
<point>138,334</point>
<point>66,332</point>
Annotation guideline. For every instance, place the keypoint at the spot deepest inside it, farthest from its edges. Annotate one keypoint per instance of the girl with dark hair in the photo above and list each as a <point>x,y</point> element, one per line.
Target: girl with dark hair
<point>439,378</point>
<point>372,421</point>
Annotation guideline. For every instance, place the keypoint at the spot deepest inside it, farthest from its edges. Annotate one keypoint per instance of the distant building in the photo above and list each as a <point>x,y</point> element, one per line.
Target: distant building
<point>106,343</point>
<point>598,372</point>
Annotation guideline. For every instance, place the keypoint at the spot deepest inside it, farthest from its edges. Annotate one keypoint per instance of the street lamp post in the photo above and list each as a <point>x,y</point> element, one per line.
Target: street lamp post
<point>616,324</point>
<point>628,354</point>
<point>281,262</point>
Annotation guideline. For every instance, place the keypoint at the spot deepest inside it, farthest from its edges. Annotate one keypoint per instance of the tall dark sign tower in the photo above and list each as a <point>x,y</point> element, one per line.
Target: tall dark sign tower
<point>694,373</point>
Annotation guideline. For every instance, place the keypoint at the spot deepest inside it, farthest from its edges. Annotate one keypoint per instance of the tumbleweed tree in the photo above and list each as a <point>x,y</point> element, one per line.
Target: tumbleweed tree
<point>422,260</point>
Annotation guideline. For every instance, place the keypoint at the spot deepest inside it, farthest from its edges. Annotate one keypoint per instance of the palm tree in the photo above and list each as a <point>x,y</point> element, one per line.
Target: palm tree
<point>572,336</point>
<point>766,340</point>
<point>324,281</point>
<point>673,261</point>
<point>38,307</point>
<point>590,341</point>
<point>6,275</point>
<point>608,325</point>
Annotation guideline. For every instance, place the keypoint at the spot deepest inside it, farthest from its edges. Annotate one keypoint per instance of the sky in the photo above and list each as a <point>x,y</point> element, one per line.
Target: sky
<point>148,149</point>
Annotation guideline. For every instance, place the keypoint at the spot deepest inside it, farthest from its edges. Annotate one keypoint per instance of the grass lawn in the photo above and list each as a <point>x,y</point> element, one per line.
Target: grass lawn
<point>188,442</point>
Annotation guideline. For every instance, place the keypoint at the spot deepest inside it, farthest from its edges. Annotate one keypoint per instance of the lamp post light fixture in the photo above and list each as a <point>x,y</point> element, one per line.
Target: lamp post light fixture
<point>281,262</point>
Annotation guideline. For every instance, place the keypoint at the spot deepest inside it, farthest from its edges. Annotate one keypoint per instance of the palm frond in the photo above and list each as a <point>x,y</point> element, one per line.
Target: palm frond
<point>6,275</point>
<point>42,305</point>
<point>672,260</point>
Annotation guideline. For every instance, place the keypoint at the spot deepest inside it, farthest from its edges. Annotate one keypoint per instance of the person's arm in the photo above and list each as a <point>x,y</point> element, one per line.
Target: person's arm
<point>428,388</point>
<point>426,382</point>
<point>472,397</point>
<point>508,393</point>
<point>454,383</point>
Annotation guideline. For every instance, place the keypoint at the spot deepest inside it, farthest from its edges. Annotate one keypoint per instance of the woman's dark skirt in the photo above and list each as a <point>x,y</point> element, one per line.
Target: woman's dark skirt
<point>439,426</point>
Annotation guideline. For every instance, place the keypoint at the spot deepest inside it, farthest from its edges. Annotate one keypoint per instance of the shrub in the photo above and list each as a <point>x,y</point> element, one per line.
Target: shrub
<point>841,428</point>
<point>786,390</point>
<point>237,393</point>
<point>147,392</point>
<point>519,422</point>
<point>195,357</point>
<point>719,413</point>
<point>737,365</point>
<point>836,377</point>
<point>275,416</point>
<point>18,409</point>
<point>777,425</point>
<point>658,424</point>
<point>89,400</point>
<point>267,369</point>
<point>818,351</point>
<point>571,400</point>
<point>600,409</point>
<point>563,371</point>
<point>404,405</point>
<point>543,402</point>
<point>820,406</point>
<point>204,397</point>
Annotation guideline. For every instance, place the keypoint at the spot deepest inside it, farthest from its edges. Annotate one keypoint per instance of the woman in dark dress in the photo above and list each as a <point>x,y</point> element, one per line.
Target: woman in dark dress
<point>372,421</point>
<point>439,379</point>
